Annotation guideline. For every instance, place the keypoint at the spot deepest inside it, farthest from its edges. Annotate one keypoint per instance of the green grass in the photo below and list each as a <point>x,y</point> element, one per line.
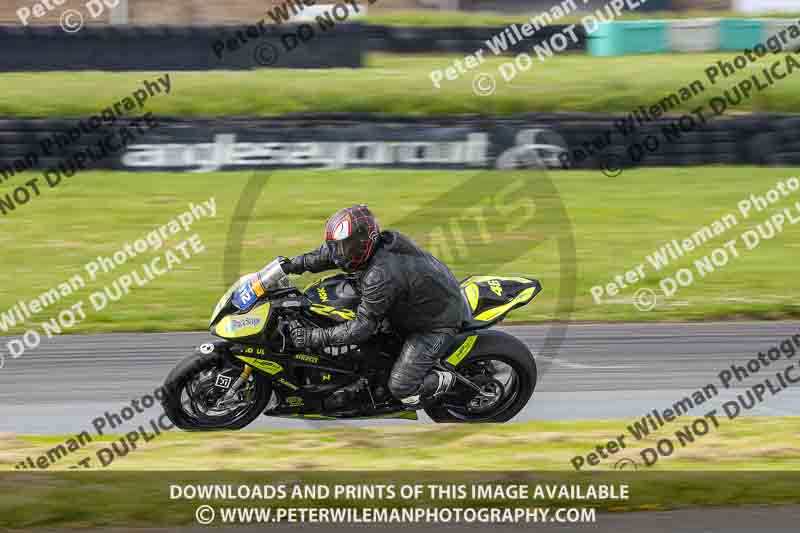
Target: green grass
<point>734,465</point>
<point>616,223</point>
<point>489,18</point>
<point>738,445</point>
<point>401,85</point>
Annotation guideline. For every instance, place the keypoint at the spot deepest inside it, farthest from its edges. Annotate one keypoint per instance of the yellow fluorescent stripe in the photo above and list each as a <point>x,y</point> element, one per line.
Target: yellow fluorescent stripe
<point>473,294</point>
<point>326,310</point>
<point>462,351</point>
<point>491,314</point>
<point>270,367</point>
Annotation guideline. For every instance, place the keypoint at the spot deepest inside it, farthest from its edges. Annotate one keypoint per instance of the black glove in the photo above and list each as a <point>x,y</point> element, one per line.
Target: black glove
<point>286,265</point>
<point>301,336</point>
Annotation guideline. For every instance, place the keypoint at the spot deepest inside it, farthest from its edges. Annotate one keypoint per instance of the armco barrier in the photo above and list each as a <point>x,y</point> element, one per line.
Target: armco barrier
<point>738,34</point>
<point>775,26</point>
<point>690,35</point>
<point>42,48</point>
<point>362,140</point>
<point>637,37</point>
<point>694,35</point>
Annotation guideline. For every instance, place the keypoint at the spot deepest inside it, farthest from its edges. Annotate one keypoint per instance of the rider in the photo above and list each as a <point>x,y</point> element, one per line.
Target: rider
<point>398,281</point>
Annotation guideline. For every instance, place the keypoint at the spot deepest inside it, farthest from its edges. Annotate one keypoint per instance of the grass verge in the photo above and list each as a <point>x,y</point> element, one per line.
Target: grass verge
<point>754,461</point>
<point>616,223</point>
<point>746,444</point>
<point>402,85</point>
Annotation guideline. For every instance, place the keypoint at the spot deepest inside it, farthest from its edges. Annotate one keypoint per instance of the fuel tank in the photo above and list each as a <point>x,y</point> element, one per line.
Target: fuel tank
<point>333,297</point>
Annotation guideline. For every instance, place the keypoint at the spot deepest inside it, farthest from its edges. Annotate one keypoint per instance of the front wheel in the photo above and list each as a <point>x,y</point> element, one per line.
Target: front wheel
<point>506,381</point>
<point>195,394</point>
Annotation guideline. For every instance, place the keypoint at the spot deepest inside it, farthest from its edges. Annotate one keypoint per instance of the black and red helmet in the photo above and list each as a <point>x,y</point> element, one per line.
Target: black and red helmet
<point>351,236</point>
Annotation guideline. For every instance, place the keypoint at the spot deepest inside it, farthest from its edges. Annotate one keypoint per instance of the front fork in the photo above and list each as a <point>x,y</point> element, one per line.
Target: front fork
<point>231,393</point>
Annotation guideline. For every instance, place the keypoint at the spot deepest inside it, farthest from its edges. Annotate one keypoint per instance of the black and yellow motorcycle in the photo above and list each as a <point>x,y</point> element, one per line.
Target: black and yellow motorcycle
<point>254,369</point>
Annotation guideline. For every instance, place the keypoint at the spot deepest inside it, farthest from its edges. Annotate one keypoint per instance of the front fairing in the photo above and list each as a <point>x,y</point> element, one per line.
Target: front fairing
<point>226,299</point>
<point>243,295</point>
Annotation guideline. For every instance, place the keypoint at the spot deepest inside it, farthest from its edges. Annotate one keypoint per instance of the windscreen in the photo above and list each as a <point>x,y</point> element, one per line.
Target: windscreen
<point>253,286</point>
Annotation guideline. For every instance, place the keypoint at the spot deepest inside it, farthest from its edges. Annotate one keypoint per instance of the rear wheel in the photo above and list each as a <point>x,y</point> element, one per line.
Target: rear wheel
<point>506,381</point>
<point>194,399</point>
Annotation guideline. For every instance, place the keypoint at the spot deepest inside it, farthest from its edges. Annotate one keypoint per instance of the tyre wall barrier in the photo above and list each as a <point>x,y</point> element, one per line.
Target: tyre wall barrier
<point>308,45</point>
<point>466,40</point>
<point>584,141</point>
<point>47,48</point>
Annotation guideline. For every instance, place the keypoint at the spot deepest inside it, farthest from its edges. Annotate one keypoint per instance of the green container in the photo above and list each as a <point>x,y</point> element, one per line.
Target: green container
<point>738,34</point>
<point>629,37</point>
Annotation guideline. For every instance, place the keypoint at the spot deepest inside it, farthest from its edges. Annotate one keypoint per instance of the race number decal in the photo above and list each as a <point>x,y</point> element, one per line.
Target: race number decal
<point>223,382</point>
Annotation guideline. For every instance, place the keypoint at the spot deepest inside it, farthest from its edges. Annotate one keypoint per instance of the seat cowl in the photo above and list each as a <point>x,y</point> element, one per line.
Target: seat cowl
<point>490,298</point>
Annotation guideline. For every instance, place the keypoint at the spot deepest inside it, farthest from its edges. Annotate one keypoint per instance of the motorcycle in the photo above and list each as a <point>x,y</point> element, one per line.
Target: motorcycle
<point>253,369</point>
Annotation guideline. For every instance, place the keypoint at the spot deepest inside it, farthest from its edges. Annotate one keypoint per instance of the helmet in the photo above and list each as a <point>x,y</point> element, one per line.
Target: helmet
<point>351,236</point>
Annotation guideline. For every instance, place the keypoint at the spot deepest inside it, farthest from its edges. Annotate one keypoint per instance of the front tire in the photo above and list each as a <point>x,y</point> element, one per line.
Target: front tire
<point>517,390</point>
<point>189,389</point>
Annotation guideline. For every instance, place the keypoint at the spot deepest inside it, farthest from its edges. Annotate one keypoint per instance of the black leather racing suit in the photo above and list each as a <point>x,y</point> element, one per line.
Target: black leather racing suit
<point>415,291</point>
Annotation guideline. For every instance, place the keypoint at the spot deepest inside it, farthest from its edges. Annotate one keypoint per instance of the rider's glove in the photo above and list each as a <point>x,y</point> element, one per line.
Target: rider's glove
<point>286,264</point>
<point>291,266</point>
<point>302,337</point>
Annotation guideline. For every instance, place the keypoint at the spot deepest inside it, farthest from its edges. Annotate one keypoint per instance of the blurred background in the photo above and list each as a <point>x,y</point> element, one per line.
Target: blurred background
<point>206,12</point>
<point>390,89</point>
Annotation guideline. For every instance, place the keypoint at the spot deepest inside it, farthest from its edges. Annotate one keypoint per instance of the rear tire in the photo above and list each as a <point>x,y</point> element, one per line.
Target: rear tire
<point>525,368</point>
<point>186,371</point>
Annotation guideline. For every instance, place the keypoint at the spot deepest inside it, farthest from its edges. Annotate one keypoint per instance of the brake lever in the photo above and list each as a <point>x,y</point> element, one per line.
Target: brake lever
<point>283,335</point>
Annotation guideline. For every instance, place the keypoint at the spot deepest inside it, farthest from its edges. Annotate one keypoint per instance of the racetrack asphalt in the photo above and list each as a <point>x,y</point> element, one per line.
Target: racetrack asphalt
<point>602,371</point>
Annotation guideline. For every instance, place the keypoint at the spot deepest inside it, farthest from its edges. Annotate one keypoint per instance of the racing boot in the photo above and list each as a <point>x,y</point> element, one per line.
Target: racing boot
<point>436,383</point>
